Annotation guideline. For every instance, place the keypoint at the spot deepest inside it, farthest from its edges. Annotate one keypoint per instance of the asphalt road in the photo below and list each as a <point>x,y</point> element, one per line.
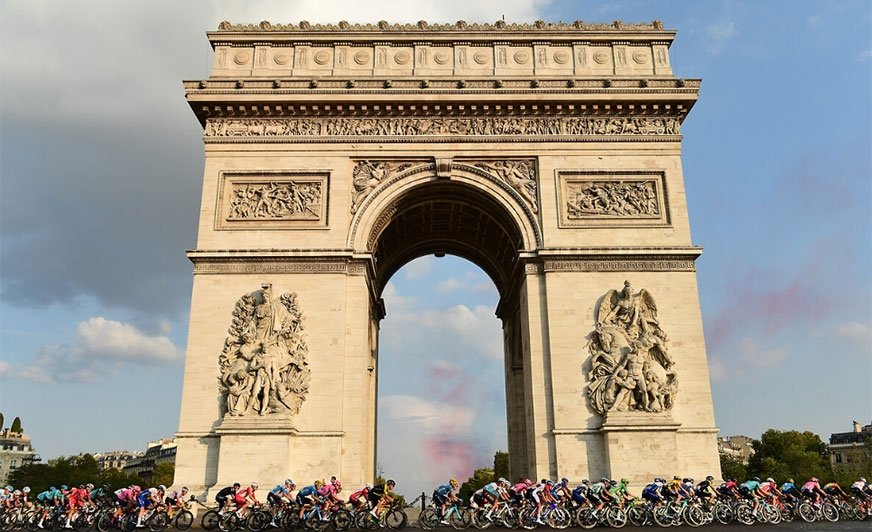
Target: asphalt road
<point>841,526</point>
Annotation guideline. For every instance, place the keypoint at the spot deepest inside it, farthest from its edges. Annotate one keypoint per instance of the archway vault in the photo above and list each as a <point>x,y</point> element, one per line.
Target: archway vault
<point>456,209</point>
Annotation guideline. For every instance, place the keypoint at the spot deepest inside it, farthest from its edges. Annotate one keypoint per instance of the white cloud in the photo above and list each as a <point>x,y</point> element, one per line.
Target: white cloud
<point>418,268</point>
<point>113,340</point>
<point>752,353</point>
<point>101,347</point>
<point>718,34</point>
<point>865,55</point>
<point>433,417</point>
<point>449,285</point>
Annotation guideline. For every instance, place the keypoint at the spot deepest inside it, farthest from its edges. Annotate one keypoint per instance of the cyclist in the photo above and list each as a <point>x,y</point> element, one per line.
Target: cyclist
<point>146,499</point>
<point>75,501</point>
<point>176,500</point>
<point>620,493</point>
<point>672,490</point>
<point>385,496</point>
<point>790,491</point>
<point>834,490</point>
<point>328,493</point>
<point>812,490</point>
<point>281,494</point>
<point>687,488</point>
<point>359,497</point>
<point>750,489</point>
<point>49,499</point>
<point>245,497</point>
<point>859,489</point>
<point>706,491</point>
<point>227,494</point>
<point>444,495</point>
<point>599,494</point>
<point>768,489</point>
<point>579,494</point>
<point>653,492</point>
<point>306,497</point>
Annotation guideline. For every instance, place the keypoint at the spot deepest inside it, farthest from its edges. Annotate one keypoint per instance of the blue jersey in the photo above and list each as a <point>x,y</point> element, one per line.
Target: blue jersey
<point>280,490</point>
<point>307,491</point>
<point>751,485</point>
<point>444,489</point>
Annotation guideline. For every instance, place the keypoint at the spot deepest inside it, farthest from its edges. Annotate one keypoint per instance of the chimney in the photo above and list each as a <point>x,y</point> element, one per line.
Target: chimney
<point>857,427</point>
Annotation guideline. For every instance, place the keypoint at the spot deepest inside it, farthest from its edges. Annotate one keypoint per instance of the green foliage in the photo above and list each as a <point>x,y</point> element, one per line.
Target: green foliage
<point>16,425</point>
<point>501,465</point>
<point>478,479</point>
<point>72,471</point>
<point>732,467</point>
<point>860,465</point>
<point>789,454</point>
<point>163,474</point>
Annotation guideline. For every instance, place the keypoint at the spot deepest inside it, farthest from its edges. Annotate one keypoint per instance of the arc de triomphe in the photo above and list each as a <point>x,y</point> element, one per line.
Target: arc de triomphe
<point>549,154</point>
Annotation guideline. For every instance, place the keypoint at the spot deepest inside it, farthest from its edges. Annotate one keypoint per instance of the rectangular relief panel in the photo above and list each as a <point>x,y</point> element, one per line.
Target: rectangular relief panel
<point>258,200</point>
<point>612,198</point>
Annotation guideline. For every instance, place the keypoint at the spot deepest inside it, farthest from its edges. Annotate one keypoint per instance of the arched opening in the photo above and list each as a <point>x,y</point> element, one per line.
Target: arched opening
<point>438,218</point>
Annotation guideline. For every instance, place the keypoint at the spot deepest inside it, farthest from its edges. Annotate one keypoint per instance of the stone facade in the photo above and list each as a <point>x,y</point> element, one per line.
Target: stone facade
<point>15,451</point>
<point>850,451</point>
<point>547,154</point>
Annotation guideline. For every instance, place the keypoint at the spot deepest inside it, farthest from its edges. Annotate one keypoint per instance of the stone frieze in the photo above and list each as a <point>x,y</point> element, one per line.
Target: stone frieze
<point>456,127</point>
<point>288,200</point>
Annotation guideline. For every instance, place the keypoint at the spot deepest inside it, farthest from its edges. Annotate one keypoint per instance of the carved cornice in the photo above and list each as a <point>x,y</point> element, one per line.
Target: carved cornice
<point>613,260</point>
<point>460,26</point>
<point>275,262</point>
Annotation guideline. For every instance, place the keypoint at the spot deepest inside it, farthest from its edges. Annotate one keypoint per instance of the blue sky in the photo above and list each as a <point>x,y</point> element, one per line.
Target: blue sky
<point>100,168</point>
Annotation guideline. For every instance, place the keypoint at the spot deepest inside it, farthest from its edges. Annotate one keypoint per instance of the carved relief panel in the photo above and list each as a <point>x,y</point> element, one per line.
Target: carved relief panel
<point>612,198</point>
<point>272,200</point>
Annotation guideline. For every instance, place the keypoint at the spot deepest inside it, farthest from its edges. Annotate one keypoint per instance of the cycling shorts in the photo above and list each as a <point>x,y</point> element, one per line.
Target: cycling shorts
<point>439,499</point>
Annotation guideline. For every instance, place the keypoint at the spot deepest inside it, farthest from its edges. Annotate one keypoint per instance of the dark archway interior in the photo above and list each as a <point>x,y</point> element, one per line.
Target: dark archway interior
<point>451,218</point>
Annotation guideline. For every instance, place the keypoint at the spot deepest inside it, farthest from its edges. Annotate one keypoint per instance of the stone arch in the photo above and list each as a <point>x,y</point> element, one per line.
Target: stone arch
<point>482,219</point>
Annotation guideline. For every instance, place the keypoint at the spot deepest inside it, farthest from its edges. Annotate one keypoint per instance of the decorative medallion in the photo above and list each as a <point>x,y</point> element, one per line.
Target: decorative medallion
<point>264,367</point>
<point>361,57</point>
<point>630,366</point>
<point>640,58</point>
<point>601,57</point>
<point>481,57</point>
<point>521,57</point>
<point>322,57</point>
<point>282,58</point>
<point>402,57</point>
<point>442,57</point>
<point>561,58</point>
<point>241,58</point>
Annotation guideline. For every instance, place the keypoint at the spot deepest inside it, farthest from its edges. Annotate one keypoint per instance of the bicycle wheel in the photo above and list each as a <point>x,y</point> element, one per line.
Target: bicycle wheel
<point>229,522</point>
<point>158,522</point>
<point>693,515</point>
<point>342,520</point>
<point>830,513</point>
<point>585,518</point>
<point>637,516</point>
<point>209,521</point>
<point>429,519</point>
<point>745,514</point>
<point>663,517</point>
<point>396,519</point>
<point>616,517</point>
<point>128,522</point>
<point>509,518</point>
<point>479,519</point>
<point>257,520</point>
<point>183,520</point>
<point>460,519</point>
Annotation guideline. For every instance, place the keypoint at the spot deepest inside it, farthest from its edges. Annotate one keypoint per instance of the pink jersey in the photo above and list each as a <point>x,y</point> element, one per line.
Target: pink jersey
<point>810,486</point>
<point>520,487</point>
<point>327,490</point>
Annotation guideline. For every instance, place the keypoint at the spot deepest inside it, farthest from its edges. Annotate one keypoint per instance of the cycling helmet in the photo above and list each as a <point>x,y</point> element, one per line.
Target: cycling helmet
<point>686,480</point>
<point>368,487</point>
<point>337,484</point>
<point>17,493</point>
<point>813,479</point>
<point>63,487</point>
<point>184,489</point>
<point>564,481</point>
<point>105,487</point>
<point>709,478</point>
<point>676,477</point>
<point>27,489</point>
<point>770,480</point>
<point>164,488</point>
<point>89,486</point>
<point>392,483</point>
<point>503,481</point>
<point>291,482</point>
<point>453,481</point>
<point>9,487</point>
<point>790,480</point>
<point>254,485</point>
<point>604,480</point>
<point>52,489</point>
<point>237,485</point>
<point>528,482</point>
<point>862,479</point>
<point>756,479</point>
<point>613,482</point>
<point>624,481</point>
<point>585,482</point>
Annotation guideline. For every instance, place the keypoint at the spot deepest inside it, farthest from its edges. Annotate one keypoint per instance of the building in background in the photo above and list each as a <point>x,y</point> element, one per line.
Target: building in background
<point>15,451</point>
<point>116,459</point>
<point>157,452</point>
<point>738,447</point>
<point>848,449</point>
